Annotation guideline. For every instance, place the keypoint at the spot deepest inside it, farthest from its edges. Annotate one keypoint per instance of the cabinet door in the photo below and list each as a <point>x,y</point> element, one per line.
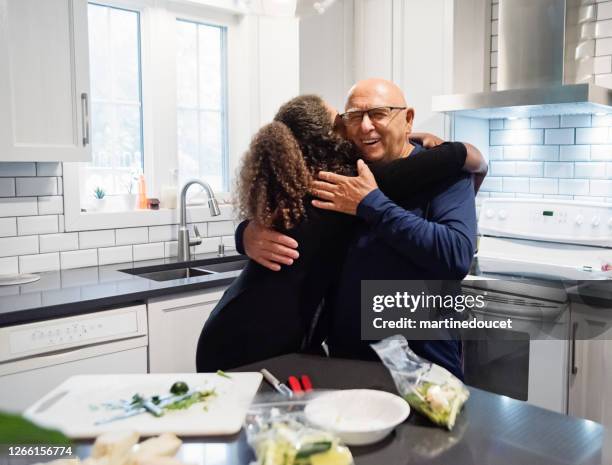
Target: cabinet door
<point>175,324</point>
<point>44,81</point>
<point>590,387</point>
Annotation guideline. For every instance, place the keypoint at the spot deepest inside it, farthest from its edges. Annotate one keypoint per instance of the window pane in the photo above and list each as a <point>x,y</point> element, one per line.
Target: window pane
<point>201,113</point>
<point>116,107</point>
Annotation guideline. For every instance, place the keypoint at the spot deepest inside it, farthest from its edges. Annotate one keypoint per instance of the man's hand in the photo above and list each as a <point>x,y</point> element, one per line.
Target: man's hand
<point>343,193</point>
<point>428,141</point>
<point>269,248</point>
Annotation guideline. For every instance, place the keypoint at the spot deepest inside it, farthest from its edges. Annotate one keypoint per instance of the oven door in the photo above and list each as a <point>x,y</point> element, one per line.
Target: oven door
<point>528,362</point>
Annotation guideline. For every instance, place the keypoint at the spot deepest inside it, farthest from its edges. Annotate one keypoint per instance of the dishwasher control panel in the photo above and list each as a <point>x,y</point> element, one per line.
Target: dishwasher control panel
<point>64,333</point>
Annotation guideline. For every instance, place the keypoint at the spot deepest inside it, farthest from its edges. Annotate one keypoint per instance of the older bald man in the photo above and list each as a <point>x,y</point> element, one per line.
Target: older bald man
<point>429,236</point>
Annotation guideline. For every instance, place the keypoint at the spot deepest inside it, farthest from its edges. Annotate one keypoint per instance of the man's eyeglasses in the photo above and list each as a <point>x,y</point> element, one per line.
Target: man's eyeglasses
<point>378,115</point>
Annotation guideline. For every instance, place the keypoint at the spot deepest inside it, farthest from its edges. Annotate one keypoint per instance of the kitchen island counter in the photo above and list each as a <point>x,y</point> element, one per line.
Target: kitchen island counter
<point>492,429</point>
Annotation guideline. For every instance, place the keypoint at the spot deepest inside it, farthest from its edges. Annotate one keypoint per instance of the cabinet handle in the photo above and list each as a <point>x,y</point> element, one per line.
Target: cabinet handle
<point>85,117</point>
<point>574,331</point>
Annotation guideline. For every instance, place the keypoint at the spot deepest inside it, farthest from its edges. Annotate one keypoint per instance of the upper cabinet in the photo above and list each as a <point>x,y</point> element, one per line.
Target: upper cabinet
<point>44,81</point>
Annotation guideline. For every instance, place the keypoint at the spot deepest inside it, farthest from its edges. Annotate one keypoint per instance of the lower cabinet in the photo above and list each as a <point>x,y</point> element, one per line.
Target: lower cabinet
<point>590,376</point>
<point>175,323</point>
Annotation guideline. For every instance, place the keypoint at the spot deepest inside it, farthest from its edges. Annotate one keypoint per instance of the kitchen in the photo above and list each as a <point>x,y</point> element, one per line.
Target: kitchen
<point>100,93</point>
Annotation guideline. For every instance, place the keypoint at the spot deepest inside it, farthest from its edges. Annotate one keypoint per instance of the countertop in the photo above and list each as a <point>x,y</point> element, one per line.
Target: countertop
<point>492,429</point>
<point>74,291</point>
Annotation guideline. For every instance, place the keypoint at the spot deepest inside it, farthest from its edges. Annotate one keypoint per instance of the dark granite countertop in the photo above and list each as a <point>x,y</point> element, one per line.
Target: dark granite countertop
<point>80,290</point>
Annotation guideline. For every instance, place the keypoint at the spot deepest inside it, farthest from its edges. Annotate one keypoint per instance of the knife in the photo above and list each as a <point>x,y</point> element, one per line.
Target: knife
<point>148,406</point>
<point>276,384</point>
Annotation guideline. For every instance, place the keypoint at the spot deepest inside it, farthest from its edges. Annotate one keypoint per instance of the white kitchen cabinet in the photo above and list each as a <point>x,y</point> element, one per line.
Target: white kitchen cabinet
<point>175,323</point>
<point>44,81</point>
<point>590,385</point>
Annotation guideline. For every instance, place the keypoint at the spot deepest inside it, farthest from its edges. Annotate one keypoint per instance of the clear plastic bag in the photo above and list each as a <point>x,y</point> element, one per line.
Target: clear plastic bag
<point>279,434</point>
<point>427,387</point>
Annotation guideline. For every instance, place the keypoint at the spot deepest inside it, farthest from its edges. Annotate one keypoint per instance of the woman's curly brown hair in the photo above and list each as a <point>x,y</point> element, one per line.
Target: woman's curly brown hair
<point>283,158</point>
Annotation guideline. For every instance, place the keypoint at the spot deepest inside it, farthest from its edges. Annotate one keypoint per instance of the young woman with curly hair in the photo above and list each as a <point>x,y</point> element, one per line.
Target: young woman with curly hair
<point>267,313</point>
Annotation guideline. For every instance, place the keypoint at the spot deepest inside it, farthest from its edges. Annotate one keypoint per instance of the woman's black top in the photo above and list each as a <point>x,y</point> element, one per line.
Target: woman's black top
<point>267,313</point>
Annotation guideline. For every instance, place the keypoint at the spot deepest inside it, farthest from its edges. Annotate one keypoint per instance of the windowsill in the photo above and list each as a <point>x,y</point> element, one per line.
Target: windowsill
<point>83,221</point>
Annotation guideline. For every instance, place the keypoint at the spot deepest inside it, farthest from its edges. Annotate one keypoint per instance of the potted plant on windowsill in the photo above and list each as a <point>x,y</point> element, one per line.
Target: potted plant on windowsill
<point>130,200</point>
<point>99,201</point>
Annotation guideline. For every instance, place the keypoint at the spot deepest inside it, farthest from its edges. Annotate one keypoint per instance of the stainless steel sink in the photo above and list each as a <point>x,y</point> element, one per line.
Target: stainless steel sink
<point>182,270</point>
<point>177,273</point>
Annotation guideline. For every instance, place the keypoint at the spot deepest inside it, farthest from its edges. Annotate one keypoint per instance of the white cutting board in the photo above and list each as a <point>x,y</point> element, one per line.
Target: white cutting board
<point>68,407</point>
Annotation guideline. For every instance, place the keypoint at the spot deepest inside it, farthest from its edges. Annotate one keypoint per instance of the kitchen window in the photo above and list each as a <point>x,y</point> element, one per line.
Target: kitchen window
<point>201,103</point>
<point>116,108</point>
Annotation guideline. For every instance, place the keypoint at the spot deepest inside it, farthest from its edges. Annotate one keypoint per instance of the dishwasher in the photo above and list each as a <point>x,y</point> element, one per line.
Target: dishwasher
<point>37,357</point>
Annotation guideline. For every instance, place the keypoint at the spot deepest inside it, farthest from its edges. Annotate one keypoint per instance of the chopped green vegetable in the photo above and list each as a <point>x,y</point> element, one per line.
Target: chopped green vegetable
<point>179,388</point>
<point>224,374</point>
<point>156,400</point>
<point>313,448</point>
<point>188,401</point>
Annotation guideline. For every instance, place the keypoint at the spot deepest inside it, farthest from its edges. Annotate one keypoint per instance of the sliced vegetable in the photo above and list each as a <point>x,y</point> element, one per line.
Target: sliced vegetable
<point>179,388</point>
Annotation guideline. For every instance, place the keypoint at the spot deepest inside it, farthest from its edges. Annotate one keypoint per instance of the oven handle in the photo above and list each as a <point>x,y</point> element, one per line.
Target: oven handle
<point>574,332</point>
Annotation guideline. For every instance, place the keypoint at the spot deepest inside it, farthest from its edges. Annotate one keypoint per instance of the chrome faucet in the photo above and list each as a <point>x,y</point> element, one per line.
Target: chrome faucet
<point>184,243</point>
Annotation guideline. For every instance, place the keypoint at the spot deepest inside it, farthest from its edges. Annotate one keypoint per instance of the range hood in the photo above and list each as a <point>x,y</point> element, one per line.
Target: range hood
<point>545,64</point>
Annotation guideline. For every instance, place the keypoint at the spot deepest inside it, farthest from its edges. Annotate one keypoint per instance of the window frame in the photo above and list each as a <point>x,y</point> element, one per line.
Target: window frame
<point>159,111</point>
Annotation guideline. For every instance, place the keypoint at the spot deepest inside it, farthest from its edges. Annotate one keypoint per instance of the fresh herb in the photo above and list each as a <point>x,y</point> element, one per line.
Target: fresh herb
<point>179,388</point>
<point>156,400</point>
<point>137,400</point>
<point>223,374</point>
<point>313,448</point>
<point>188,401</point>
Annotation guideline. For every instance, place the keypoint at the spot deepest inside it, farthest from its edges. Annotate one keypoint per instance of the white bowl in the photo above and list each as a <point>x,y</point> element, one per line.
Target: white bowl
<point>358,416</point>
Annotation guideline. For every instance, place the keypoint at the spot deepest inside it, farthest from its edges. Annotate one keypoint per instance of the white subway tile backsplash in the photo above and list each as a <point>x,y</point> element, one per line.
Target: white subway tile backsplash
<point>109,255</point>
<point>131,236</point>
<point>603,29</point>
<point>592,136</point>
<point>516,152</point>
<point>59,242</point>
<point>496,124</point>
<point>496,153</point>
<point>50,205</point>
<point>575,153</point>
<point>8,227</point>
<point>602,65</point>
<point>229,242</point>
<point>39,263</point>
<point>545,152</point>
<point>604,10</point>
<point>558,170</point>
<point>516,123</point>
<point>9,265</point>
<point>7,187</point>
<point>60,186</point>
<point>601,187</point>
<point>559,136</point>
<point>575,121</point>
<point>36,186</point>
<point>167,232</point>
<point>545,122</point>
<point>574,186</point>
<point>603,47</point>
<point>11,169</point>
<point>220,228</point>
<point>503,195</point>
<point>517,137</point>
<point>491,184</point>
<point>543,186</point>
<point>493,75</point>
<point>29,225</point>
<point>529,168</point>
<point>208,245</point>
<point>494,43</point>
<point>18,245</point>
<point>18,206</point>
<point>93,239</point>
<point>53,168</point>
<point>590,170</point>
<point>148,251</point>
<point>601,152</point>
<point>79,258</point>
<point>170,249</point>
<point>515,184</point>
<point>503,168</point>
<point>601,120</point>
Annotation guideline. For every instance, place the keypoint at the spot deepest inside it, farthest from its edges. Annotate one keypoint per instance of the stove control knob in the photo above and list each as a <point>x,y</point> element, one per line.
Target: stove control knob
<point>490,213</point>
<point>502,214</point>
<point>595,221</point>
<point>579,220</point>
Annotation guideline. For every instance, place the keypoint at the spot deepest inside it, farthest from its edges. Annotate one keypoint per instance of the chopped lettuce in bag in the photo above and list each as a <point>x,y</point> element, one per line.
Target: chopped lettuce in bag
<point>427,387</point>
<point>280,435</point>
